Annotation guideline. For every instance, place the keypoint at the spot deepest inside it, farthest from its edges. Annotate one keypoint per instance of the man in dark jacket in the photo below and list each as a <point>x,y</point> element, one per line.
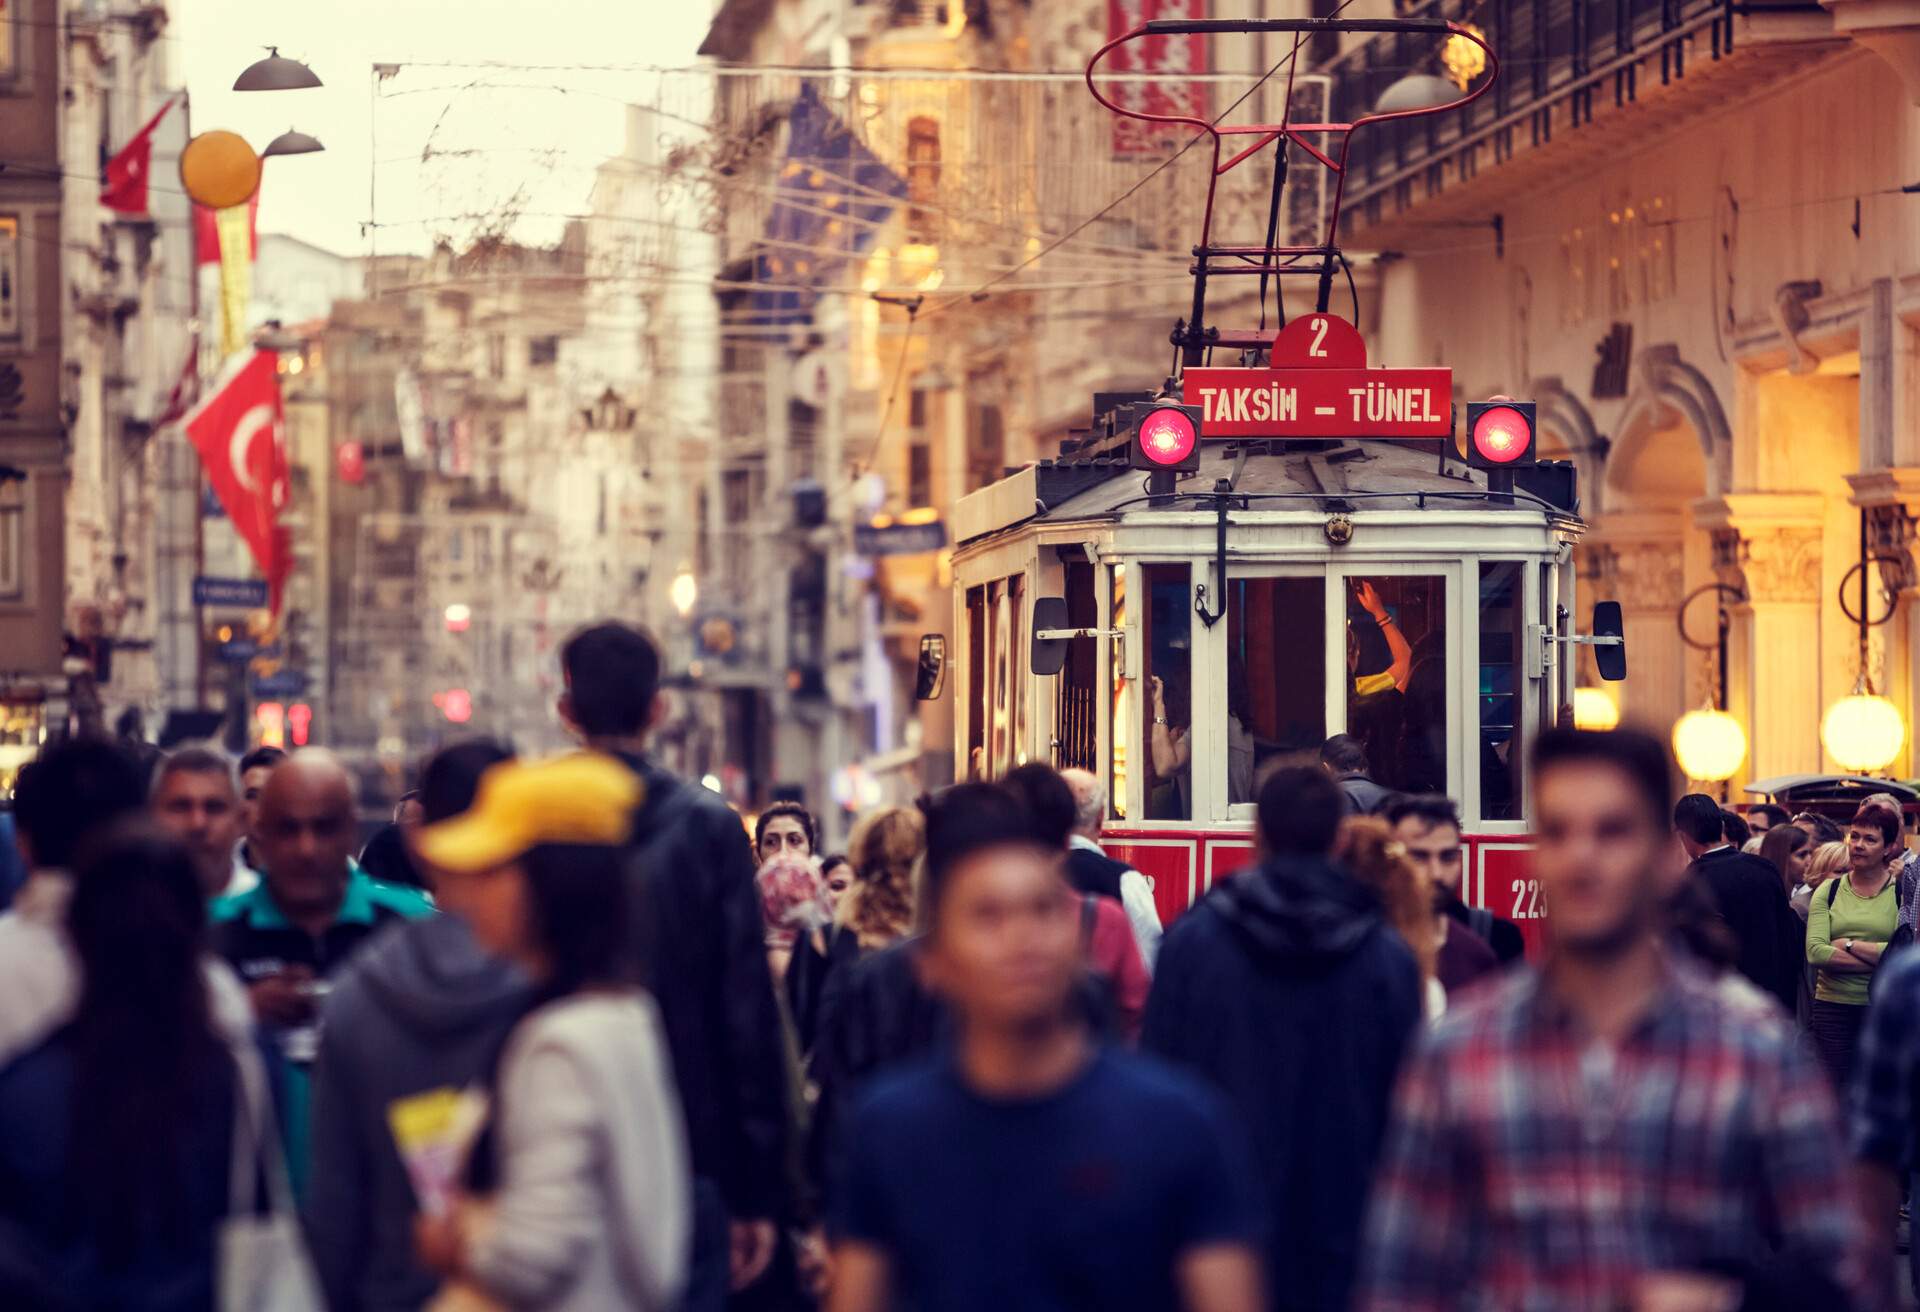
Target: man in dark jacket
<point>1286,988</point>
<point>1750,897</point>
<point>706,961</point>
<point>1344,758</point>
<point>421,1012</point>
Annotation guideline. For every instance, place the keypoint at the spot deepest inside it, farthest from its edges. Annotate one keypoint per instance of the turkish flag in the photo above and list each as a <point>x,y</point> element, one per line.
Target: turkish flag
<point>125,190</point>
<point>238,431</point>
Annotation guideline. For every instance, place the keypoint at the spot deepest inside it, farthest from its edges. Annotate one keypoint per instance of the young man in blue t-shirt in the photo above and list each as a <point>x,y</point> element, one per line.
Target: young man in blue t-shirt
<point>1025,1167</point>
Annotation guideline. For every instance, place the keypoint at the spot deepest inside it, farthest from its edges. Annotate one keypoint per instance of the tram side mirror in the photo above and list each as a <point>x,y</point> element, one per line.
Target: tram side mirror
<point>1610,657</point>
<point>931,678</point>
<point>1049,654</point>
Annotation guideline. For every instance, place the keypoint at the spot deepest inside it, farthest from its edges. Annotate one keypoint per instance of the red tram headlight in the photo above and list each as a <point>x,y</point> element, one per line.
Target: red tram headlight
<point>1167,437</point>
<point>1500,434</point>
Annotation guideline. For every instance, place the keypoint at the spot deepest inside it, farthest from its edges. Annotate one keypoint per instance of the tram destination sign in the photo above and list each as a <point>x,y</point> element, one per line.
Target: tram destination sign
<point>1319,386</point>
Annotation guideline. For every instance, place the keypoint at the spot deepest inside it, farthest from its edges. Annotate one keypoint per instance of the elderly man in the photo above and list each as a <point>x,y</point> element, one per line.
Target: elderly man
<point>312,911</point>
<point>195,800</point>
<point>1092,871</point>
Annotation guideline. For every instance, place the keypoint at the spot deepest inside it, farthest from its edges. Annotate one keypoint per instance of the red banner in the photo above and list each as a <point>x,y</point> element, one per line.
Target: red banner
<point>124,189</point>
<point>1165,61</point>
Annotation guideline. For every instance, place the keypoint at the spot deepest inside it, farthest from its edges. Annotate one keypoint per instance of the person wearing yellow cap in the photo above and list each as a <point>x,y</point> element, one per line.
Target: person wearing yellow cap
<point>578,1186</point>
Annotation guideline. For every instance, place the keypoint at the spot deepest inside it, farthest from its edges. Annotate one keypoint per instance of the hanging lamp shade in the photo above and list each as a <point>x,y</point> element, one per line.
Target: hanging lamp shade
<point>1709,744</point>
<point>1416,91</point>
<point>1863,731</point>
<point>276,73</point>
<point>292,143</point>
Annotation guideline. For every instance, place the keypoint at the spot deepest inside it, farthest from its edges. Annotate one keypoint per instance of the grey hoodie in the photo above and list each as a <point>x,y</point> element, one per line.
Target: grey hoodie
<point>421,1008</point>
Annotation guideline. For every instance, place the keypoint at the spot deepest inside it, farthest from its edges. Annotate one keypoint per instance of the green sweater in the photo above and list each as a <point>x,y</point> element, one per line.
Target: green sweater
<point>1850,916</point>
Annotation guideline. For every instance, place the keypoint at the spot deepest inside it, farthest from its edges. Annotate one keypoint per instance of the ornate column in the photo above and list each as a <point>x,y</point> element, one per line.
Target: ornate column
<point>1638,561</point>
<point>1768,545</point>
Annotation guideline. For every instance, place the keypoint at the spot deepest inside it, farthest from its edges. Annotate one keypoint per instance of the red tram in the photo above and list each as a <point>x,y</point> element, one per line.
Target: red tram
<point>1226,570</point>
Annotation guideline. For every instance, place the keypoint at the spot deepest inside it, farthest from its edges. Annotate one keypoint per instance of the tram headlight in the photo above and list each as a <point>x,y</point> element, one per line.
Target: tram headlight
<point>1166,437</point>
<point>1500,433</point>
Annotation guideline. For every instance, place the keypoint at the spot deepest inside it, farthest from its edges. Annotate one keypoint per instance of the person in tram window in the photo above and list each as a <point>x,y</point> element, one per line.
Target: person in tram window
<point>1170,745</point>
<point>1379,668</point>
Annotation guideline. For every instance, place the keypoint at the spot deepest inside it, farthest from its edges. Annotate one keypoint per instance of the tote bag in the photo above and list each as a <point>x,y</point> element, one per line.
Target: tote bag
<point>264,1266</point>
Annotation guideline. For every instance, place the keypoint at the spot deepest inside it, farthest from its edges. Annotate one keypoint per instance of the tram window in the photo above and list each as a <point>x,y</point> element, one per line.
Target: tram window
<point>1013,662</point>
<point>1397,679</point>
<point>1276,705</point>
<point>1121,710</point>
<point>1168,635</point>
<point>1502,685</point>
<point>1074,730</point>
<point>976,682</point>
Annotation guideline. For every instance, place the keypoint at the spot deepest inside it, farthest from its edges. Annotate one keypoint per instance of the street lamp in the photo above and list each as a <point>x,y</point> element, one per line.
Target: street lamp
<point>1708,743</point>
<point>1593,709</point>
<point>276,73</point>
<point>1416,91</point>
<point>683,592</point>
<point>1863,731</point>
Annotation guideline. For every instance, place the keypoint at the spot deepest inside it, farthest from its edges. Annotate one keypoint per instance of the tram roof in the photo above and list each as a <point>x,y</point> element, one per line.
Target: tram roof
<point>1308,477</point>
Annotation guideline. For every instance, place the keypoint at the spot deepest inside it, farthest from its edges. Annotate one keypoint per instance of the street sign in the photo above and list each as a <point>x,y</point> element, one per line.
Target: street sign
<point>287,683</point>
<point>239,650</point>
<point>1319,385</point>
<point>240,594</point>
<point>899,539</point>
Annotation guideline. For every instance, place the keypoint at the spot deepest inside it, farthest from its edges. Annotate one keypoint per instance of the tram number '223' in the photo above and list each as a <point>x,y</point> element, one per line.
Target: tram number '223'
<point>1526,901</point>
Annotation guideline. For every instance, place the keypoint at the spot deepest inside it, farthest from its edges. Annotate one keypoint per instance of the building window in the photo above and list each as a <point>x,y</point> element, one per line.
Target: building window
<point>543,350</point>
<point>919,475</point>
<point>923,178</point>
<point>986,446</point>
<point>13,538</point>
<point>9,263</point>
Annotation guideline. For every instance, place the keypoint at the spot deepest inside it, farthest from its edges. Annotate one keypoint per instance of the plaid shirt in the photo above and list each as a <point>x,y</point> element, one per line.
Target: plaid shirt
<point>1883,1107</point>
<point>1529,1167</point>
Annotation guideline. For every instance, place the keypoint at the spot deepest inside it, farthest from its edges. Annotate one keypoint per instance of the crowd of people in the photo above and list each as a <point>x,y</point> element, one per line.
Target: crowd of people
<point>567,1034</point>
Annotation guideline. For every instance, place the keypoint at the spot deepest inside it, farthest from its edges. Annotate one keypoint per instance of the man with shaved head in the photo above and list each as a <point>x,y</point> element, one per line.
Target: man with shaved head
<point>1091,870</point>
<point>311,912</point>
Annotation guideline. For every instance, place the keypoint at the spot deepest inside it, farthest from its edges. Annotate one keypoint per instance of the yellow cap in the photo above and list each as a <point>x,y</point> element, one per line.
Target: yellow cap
<point>581,798</point>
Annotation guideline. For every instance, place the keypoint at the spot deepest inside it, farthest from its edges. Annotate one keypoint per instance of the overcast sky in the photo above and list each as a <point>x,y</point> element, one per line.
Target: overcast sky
<point>525,138</point>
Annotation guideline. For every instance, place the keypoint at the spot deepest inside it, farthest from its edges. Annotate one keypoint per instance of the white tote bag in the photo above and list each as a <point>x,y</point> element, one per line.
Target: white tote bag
<point>264,1266</point>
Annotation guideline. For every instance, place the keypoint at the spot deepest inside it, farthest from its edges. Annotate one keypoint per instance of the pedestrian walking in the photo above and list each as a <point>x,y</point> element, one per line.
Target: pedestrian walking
<point>1765,818</point>
<point>1286,988</point>
<point>1117,973</point>
<point>255,766</point>
<point>1829,861</point>
<point>1884,1114</point>
<point>1849,923</point>
<point>1026,1166</point>
<point>312,912</point>
<point>414,1018</point>
<point>73,789</point>
<point>1369,854</point>
<point>117,1132</point>
<point>703,945</point>
<point>874,913</point>
<point>1787,850</point>
<point>1611,1131</point>
<point>1747,892</point>
<point>1091,870</point>
<point>194,799</point>
<point>578,1186</point>
<point>1427,827</point>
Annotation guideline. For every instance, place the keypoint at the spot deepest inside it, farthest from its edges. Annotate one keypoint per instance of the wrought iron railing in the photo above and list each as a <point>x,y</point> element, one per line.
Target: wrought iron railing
<point>1586,52</point>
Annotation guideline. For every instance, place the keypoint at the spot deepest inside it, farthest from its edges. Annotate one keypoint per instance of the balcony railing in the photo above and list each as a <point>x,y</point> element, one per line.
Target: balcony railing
<point>1584,53</point>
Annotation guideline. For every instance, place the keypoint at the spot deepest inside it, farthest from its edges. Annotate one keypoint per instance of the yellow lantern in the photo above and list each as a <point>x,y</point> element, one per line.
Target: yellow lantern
<point>1709,744</point>
<point>219,169</point>
<point>1593,709</point>
<point>1863,732</point>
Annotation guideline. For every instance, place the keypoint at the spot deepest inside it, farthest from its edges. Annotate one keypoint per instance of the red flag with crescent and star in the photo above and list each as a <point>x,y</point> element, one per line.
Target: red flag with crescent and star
<point>239,432</point>
<point>124,190</point>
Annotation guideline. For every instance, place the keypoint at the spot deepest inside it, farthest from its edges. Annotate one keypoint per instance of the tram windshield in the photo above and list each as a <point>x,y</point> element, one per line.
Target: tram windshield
<point>1276,677</point>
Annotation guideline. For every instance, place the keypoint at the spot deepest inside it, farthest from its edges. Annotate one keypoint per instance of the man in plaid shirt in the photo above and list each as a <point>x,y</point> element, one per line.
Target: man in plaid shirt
<point>1884,1102</point>
<point>1620,1130</point>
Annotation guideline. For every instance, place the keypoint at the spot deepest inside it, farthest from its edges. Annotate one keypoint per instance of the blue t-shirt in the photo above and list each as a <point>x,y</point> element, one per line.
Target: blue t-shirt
<point>1083,1199</point>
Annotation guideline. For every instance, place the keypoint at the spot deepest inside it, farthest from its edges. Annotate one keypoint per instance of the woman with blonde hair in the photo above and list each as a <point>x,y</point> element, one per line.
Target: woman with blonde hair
<point>1365,848</point>
<point>1827,861</point>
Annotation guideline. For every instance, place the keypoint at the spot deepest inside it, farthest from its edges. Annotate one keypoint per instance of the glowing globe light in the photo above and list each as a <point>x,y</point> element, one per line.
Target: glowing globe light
<point>1709,744</point>
<point>683,592</point>
<point>1500,435</point>
<point>1593,709</point>
<point>1167,436</point>
<point>1863,732</point>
